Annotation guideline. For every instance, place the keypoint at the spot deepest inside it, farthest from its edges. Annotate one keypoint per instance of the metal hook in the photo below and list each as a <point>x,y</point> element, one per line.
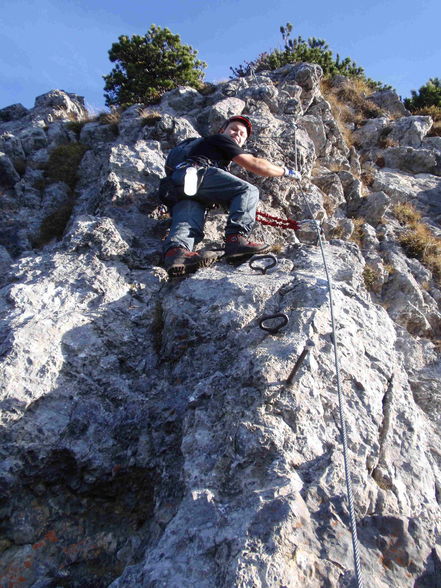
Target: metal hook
<point>276,328</point>
<point>265,268</point>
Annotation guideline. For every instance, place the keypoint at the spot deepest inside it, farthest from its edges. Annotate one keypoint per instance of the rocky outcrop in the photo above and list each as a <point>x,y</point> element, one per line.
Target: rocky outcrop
<point>151,434</point>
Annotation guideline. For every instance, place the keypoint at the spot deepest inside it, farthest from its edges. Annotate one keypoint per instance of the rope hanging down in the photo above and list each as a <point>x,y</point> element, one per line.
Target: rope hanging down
<point>274,221</point>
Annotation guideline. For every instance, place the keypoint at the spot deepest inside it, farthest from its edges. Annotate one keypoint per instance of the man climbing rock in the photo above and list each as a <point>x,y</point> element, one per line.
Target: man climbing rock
<point>210,184</point>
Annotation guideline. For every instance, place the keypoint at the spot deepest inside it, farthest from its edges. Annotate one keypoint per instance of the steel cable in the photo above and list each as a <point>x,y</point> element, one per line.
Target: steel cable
<point>344,438</point>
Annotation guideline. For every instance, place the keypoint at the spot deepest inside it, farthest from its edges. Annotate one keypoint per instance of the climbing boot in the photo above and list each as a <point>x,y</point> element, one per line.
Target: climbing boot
<point>178,261</point>
<point>207,257</point>
<point>237,246</point>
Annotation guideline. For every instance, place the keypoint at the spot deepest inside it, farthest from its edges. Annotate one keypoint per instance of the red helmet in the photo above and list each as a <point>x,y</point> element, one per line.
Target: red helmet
<point>243,119</point>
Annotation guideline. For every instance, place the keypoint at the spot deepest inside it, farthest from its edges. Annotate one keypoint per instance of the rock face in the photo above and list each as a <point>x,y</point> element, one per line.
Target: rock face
<point>149,435</point>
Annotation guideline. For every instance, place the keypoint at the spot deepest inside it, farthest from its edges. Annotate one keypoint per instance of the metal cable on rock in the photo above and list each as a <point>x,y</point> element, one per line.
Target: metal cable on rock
<point>342,426</point>
<point>344,438</point>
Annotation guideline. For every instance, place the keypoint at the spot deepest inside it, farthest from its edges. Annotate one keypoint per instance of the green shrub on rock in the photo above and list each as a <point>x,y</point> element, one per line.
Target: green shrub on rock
<point>299,50</point>
<point>63,163</point>
<point>427,95</point>
<point>149,65</point>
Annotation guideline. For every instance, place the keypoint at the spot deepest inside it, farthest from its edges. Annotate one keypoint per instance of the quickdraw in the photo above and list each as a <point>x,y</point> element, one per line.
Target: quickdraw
<point>274,221</point>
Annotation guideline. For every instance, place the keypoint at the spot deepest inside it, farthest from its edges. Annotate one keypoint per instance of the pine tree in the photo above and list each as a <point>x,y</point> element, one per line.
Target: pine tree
<point>149,65</point>
<point>428,95</point>
<point>297,50</point>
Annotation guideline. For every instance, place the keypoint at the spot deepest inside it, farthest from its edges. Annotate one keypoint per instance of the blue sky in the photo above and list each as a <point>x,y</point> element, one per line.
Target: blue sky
<point>46,44</point>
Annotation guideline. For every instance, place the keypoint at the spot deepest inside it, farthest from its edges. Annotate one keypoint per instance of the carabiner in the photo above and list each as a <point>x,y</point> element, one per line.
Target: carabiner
<point>276,328</point>
<point>265,268</point>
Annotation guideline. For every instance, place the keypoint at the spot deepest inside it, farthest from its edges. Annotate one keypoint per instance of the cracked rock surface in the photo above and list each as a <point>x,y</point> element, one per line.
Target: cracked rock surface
<point>151,433</point>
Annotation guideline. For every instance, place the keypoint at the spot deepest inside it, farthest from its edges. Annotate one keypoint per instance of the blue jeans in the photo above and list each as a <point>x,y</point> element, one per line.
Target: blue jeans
<point>218,187</point>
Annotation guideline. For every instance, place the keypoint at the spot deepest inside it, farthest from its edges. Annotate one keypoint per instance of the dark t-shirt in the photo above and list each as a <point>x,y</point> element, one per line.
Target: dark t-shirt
<point>219,149</point>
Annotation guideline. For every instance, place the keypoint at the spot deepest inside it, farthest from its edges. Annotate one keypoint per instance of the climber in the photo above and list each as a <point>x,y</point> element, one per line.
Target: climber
<point>211,157</point>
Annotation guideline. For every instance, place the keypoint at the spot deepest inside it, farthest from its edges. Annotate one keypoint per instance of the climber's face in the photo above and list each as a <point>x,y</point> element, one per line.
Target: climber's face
<point>237,131</point>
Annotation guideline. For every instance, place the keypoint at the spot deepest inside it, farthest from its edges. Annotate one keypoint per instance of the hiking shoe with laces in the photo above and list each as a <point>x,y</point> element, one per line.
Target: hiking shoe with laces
<point>237,246</point>
<point>178,261</point>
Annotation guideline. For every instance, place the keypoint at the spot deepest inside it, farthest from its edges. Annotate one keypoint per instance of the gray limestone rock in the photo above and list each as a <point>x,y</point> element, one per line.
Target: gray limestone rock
<point>221,111</point>
<point>8,174</point>
<point>389,101</point>
<point>33,139</point>
<point>432,143</point>
<point>12,146</point>
<point>54,196</point>
<point>410,159</point>
<point>307,76</point>
<point>95,133</point>
<point>316,130</point>
<point>289,98</point>
<point>410,130</point>
<point>332,186</point>
<point>58,104</point>
<point>266,93</point>
<point>369,134</point>
<point>373,207</point>
<point>13,112</point>
<point>151,432</point>
<point>5,261</point>
<point>182,100</point>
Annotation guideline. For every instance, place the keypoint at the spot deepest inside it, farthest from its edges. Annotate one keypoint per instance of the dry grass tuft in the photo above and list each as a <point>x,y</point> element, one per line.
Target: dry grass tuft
<point>277,247</point>
<point>371,278</point>
<point>418,240</point>
<point>389,268</point>
<point>357,235</point>
<point>109,118</point>
<point>368,177</point>
<point>349,105</point>
<point>328,205</point>
<point>150,117</point>
<point>406,213</point>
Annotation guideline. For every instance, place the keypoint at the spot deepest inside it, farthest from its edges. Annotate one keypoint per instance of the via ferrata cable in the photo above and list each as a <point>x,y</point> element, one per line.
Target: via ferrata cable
<point>343,432</point>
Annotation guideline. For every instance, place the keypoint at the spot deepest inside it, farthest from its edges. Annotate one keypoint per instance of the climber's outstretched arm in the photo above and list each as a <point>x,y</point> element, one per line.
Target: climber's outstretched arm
<point>259,166</point>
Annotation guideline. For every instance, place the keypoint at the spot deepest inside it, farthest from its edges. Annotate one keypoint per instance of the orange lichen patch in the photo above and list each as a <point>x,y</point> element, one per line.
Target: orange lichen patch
<point>51,536</point>
<point>74,549</point>
<point>13,576</point>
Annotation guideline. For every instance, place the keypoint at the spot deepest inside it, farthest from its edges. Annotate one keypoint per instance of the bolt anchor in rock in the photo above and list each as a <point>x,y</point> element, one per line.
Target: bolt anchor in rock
<point>309,345</point>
